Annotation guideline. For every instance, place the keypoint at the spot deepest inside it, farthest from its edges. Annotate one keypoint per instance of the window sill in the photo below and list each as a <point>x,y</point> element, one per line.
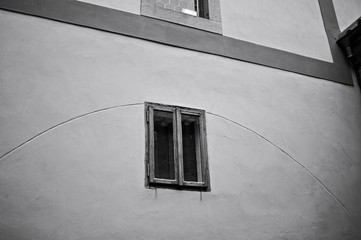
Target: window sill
<point>179,187</point>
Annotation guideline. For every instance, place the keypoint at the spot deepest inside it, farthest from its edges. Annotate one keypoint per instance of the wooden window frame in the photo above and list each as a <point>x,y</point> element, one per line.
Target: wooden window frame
<point>203,182</point>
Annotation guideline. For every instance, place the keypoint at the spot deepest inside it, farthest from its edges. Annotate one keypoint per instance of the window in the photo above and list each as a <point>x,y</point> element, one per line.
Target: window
<point>201,14</point>
<point>176,147</point>
<point>192,7</point>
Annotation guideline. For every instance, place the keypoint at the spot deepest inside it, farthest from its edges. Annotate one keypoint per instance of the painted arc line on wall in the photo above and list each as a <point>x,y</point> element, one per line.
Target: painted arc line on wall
<point>64,123</point>
<point>294,160</point>
<point>213,114</point>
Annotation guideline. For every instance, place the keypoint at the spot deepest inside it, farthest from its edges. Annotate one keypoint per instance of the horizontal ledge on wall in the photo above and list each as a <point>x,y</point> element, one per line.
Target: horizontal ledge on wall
<point>119,22</point>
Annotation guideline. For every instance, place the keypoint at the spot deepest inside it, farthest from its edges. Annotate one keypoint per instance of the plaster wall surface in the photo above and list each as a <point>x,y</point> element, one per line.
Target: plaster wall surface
<point>293,26</point>
<point>347,12</point>
<point>132,6</point>
<point>84,179</point>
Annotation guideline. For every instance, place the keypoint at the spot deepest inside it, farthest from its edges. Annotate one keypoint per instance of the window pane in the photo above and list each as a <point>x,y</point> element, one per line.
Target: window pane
<point>163,145</point>
<point>191,147</point>
<point>184,6</point>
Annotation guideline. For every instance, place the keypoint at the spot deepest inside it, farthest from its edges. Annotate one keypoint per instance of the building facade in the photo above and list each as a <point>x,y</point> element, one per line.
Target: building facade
<point>279,110</point>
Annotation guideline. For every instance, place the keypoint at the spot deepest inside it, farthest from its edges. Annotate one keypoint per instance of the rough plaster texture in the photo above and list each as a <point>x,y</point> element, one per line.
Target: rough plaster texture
<point>293,26</point>
<point>85,178</point>
<point>347,12</point>
<point>132,6</point>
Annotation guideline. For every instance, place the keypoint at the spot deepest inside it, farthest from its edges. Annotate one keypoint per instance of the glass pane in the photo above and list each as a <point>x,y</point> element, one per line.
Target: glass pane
<point>191,147</point>
<point>183,6</point>
<point>163,145</point>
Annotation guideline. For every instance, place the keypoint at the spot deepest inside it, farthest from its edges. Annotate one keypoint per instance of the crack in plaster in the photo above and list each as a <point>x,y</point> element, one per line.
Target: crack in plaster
<point>213,114</point>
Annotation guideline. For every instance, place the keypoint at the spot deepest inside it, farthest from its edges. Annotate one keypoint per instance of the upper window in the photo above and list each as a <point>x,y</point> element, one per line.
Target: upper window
<point>202,14</point>
<point>176,147</point>
<point>192,7</point>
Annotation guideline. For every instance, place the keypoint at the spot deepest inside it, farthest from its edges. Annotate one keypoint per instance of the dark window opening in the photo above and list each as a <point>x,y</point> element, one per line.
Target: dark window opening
<point>203,9</point>
<point>191,151</point>
<point>163,142</point>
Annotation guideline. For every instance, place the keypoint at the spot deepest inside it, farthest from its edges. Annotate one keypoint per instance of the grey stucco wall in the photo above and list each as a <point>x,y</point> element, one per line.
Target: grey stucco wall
<point>293,26</point>
<point>132,6</point>
<point>84,179</point>
<point>347,12</point>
